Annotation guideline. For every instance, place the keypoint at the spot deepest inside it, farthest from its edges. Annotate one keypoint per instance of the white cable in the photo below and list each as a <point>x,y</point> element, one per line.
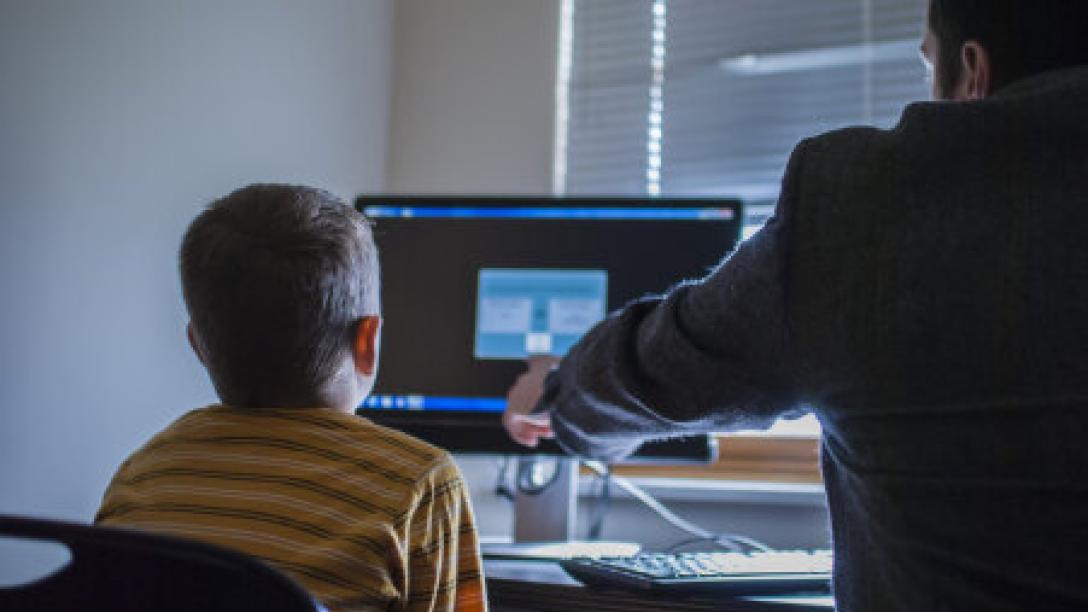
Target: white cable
<point>684,525</point>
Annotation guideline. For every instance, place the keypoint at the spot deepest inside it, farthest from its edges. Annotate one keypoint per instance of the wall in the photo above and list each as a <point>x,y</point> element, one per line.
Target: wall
<point>473,96</point>
<point>120,119</point>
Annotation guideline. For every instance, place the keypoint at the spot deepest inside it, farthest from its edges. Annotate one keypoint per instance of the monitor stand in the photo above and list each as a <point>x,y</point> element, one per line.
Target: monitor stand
<point>545,514</point>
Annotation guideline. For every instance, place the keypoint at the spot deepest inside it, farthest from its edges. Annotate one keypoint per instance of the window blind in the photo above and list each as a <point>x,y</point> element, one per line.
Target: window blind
<point>744,81</point>
<point>608,97</point>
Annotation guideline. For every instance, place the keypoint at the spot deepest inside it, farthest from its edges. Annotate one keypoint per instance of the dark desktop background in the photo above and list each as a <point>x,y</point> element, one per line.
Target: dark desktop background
<point>430,272</point>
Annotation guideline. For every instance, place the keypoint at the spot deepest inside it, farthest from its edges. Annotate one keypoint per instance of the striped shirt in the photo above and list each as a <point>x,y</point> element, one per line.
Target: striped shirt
<point>364,517</point>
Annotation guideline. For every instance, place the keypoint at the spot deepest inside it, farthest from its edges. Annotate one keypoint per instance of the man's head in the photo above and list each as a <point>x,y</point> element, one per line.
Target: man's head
<point>979,46</point>
<point>281,283</point>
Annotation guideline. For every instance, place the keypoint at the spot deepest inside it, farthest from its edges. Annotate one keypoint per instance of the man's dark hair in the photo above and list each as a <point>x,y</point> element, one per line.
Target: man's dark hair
<point>276,279</point>
<point>1023,37</point>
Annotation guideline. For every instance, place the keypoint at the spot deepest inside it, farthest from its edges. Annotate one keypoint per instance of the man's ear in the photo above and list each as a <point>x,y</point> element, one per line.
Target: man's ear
<point>976,70</point>
<point>365,347</point>
<point>195,343</point>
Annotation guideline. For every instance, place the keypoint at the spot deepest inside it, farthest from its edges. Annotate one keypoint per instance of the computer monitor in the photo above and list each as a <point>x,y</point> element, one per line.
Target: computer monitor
<point>473,285</point>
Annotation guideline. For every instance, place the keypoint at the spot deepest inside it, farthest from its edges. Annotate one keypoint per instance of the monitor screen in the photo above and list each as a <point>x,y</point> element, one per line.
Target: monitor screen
<point>472,286</point>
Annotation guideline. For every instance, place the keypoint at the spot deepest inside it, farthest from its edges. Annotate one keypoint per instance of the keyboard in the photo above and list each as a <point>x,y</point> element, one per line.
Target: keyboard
<point>709,573</point>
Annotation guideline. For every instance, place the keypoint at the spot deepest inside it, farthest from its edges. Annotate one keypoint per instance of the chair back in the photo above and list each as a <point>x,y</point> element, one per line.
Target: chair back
<point>121,569</point>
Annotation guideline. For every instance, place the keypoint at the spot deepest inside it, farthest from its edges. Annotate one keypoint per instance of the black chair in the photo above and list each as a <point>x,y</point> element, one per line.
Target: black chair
<point>119,569</point>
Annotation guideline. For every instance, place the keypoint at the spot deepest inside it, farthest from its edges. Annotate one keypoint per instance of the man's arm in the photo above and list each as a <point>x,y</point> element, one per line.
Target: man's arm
<point>713,354</point>
<point>444,568</point>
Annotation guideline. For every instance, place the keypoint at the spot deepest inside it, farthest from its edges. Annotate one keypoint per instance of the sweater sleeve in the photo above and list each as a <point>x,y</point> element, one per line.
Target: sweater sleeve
<point>710,355</point>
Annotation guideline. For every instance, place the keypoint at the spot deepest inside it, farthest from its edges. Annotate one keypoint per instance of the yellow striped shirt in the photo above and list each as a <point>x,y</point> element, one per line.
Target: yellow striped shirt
<point>364,517</point>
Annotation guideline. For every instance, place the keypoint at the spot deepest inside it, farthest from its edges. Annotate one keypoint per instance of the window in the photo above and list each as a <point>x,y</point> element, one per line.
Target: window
<point>709,97</point>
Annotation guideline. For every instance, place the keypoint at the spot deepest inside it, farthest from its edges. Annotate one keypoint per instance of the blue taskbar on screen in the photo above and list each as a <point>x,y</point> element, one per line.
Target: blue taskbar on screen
<point>433,403</point>
<point>545,213</point>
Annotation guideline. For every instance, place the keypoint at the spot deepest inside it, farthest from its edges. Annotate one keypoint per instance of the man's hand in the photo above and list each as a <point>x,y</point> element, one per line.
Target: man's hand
<point>527,429</point>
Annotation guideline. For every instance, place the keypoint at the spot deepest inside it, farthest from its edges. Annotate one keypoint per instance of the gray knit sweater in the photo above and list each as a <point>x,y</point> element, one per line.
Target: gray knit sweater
<point>924,291</point>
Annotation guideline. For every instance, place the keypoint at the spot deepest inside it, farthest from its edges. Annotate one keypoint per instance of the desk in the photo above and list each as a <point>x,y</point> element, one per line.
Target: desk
<point>542,586</point>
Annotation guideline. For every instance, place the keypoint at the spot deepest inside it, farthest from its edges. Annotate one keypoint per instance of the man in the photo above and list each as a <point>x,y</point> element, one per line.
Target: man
<point>923,290</point>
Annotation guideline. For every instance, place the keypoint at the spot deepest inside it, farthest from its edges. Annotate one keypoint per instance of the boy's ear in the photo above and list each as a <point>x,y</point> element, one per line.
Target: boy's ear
<point>365,348</point>
<point>194,343</point>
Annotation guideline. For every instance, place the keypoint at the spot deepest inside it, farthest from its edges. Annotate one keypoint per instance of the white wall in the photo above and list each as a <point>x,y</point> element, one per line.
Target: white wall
<point>473,96</point>
<point>119,119</point>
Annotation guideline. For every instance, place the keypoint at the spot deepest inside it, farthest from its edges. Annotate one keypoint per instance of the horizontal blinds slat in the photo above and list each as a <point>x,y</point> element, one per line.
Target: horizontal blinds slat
<point>609,97</point>
<point>611,41</point>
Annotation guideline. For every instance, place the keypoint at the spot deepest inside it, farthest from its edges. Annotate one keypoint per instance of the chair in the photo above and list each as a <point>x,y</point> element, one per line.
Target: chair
<point>119,569</point>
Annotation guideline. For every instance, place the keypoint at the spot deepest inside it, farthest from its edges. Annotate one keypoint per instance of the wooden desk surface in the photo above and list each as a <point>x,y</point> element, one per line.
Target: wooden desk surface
<point>542,586</point>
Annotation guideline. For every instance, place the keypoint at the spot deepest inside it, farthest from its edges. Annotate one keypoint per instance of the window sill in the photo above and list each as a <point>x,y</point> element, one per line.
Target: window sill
<point>763,464</point>
<point>716,491</point>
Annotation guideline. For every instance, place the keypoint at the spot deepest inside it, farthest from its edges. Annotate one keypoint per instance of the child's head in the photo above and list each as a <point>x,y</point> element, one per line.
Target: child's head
<point>281,283</point>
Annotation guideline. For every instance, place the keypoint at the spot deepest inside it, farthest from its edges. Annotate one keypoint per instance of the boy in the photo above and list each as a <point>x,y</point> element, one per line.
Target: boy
<point>281,284</point>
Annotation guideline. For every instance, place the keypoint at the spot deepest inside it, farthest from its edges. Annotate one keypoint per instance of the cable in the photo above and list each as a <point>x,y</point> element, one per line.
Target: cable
<point>749,542</point>
<point>635,491</point>
<point>601,509</point>
<point>502,483</point>
<point>688,542</point>
<point>728,541</point>
<point>731,541</point>
<point>536,474</point>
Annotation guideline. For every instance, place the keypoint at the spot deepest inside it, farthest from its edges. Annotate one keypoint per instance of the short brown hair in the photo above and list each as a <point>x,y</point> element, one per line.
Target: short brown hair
<point>276,279</point>
<point>1023,37</point>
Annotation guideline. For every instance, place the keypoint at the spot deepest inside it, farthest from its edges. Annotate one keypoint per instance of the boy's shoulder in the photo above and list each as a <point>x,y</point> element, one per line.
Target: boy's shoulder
<point>392,443</point>
<point>326,436</point>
